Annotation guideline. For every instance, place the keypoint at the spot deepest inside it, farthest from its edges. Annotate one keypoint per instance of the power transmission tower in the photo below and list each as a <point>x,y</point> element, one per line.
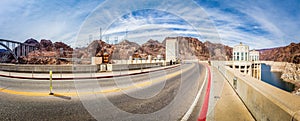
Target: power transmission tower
<point>100,33</point>
<point>116,40</point>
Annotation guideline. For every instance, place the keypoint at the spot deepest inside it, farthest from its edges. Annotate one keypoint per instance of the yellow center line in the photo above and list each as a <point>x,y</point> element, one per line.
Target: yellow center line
<point>138,85</point>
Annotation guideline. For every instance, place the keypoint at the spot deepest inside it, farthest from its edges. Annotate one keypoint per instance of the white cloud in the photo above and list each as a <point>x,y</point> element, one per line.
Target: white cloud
<point>61,20</point>
<point>280,19</point>
<point>55,20</point>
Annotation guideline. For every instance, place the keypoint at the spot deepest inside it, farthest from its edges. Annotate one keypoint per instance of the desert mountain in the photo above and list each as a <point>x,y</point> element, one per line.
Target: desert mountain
<point>192,47</point>
<point>219,51</point>
<point>154,48</point>
<point>289,53</point>
<point>125,48</point>
<point>59,52</point>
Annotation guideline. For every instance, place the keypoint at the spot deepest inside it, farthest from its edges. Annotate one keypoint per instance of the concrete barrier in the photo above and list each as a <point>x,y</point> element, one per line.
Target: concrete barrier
<point>28,68</point>
<point>74,68</point>
<point>121,67</point>
<point>265,102</point>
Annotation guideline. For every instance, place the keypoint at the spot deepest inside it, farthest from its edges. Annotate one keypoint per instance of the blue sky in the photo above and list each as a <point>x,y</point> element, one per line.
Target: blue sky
<point>258,23</point>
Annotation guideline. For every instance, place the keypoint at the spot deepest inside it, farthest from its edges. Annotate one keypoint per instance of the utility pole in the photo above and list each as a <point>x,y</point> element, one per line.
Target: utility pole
<point>107,39</point>
<point>116,40</point>
<point>126,34</point>
<point>90,38</point>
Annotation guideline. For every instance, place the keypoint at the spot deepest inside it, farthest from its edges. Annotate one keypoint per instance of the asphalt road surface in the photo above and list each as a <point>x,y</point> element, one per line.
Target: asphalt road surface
<point>161,95</point>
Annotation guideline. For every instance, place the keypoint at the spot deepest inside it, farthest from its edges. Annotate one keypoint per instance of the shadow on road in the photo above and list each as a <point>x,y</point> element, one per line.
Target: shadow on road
<point>62,96</point>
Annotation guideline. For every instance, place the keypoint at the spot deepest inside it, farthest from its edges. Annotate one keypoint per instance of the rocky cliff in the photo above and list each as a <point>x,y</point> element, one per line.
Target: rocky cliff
<point>120,51</point>
<point>154,48</point>
<point>219,51</point>
<point>125,48</point>
<point>47,53</point>
<point>192,47</point>
<point>289,53</point>
<point>188,47</point>
<point>291,73</point>
<point>54,53</point>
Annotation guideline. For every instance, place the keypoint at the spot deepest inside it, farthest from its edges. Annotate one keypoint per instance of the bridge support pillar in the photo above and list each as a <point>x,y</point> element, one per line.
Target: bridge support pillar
<point>23,50</point>
<point>27,50</point>
<point>19,50</point>
<point>7,44</point>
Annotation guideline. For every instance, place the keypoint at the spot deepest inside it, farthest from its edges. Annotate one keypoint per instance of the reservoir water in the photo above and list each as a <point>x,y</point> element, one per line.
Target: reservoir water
<point>274,79</point>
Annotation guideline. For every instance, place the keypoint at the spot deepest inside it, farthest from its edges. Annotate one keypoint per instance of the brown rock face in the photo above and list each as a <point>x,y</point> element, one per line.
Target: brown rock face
<point>61,45</point>
<point>120,51</point>
<point>191,47</point>
<point>47,53</point>
<point>60,53</point>
<point>126,48</point>
<point>219,51</point>
<point>46,45</point>
<point>290,53</point>
<point>51,53</point>
<point>154,48</point>
<point>188,48</point>
<point>63,49</point>
<point>96,48</point>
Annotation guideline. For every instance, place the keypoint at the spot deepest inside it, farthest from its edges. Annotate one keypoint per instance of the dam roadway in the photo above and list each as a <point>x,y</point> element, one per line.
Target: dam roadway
<point>159,95</point>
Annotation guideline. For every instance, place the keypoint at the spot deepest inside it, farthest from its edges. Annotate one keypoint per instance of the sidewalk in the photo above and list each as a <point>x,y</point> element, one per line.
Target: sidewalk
<point>67,76</point>
<point>228,106</point>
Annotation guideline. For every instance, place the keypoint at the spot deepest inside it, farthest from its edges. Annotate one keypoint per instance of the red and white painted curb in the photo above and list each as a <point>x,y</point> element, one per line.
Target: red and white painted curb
<point>204,109</point>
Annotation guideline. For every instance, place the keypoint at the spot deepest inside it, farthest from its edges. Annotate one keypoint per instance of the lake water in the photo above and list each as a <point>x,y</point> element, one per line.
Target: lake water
<point>274,79</point>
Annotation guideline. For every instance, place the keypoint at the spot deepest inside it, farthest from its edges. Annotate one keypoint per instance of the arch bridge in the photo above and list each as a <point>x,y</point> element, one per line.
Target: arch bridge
<point>17,49</point>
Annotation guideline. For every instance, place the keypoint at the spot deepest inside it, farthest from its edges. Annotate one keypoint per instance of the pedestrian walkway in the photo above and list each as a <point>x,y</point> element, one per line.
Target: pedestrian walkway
<point>228,106</point>
<point>59,76</point>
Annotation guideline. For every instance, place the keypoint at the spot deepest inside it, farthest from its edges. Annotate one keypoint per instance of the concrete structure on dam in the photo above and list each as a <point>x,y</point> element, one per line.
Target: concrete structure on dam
<point>253,55</point>
<point>264,101</point>
<point>245,61</point>
<point>172,49</point>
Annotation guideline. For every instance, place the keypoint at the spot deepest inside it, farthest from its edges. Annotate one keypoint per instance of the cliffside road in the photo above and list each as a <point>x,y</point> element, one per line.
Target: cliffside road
<point>159,95</point>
